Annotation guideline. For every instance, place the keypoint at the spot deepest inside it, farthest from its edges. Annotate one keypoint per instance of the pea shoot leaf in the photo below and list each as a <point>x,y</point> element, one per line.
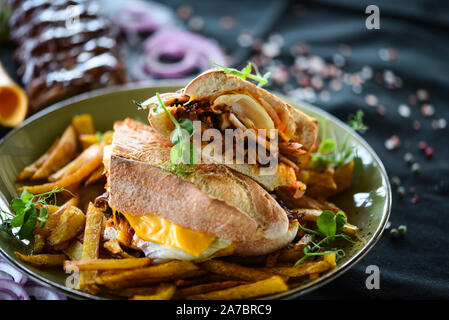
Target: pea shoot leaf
<point>330,153</point>
<point>246,73</point>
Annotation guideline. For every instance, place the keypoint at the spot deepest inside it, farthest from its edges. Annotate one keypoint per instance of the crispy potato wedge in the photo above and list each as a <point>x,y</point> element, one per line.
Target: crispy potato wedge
<point>164,291</point>
<point>31,169</point>
<point>87,140</point>
<point>75,250</point>
<point>323,179</point>
<point>171,270</point>
<point>296,252</point>
<point>39,243</point>
<point>106,264</point>
<point>42,260</point>
<point>234,271</point>
<point>73,166</point>
<point>272,258</point>
<point>265,287</point>
<point>91,247</point>
<point>206,287</point>
<point>70,224</point>
<point>83,124</point>
<point>343,176</point>
<point>53,218</point>
<point>70,180</point>
<point>226,251</point>
<point>113,246</point>
<point>96,176</point>
<point>61,155</point>
<point>303,269</point>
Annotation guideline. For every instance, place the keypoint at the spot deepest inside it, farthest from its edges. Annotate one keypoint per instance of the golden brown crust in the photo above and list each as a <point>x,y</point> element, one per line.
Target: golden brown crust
<point>265,246</point>
<point>297,125</point>
<point>213,199</point>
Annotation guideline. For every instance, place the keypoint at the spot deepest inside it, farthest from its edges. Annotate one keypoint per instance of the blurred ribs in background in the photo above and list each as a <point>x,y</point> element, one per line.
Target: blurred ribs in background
<point>60,57</point>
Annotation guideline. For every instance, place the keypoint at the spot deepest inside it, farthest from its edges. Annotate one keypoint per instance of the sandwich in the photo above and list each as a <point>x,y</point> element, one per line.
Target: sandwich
<point>223,101</point>
<point>203,212</point>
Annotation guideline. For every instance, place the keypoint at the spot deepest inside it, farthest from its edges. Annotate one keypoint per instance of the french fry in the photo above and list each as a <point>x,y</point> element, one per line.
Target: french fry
<point>331,259</point>
<point>113,246</point>
<point>31,169</point>
<point>87,140</point>
<point>106,264</point>
<point>164,291</point>
<point>75,250</point>
<point>70,180</point>
<point>73,166</point>
<point>272,258</point>
<point>296,252</point>
<point>303,269</point>
<point>171,270</point>
<point>96,176</point>
<point>42,260</point>
<point>53,218</point>
<point>61,246</point>
<point>323,179</point>
<point>314,276</point>
<point>51,208</point>
<point>343,176</point>
<point>207,287</point>
<point>61,155</point>
<point>83,124</point>
<point>91,247</point>
<point>234,271</point>
<point>39,243</point>
<point>70,224</point>
<point>265,287</point>
<point>226,251</point>
<point>312,215</point>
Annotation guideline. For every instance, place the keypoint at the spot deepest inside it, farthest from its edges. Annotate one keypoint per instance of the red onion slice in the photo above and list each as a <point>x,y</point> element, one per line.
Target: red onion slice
<point>5,276</point>
<point>139,16</point>
<point>15,274</point>
<point>7,295</point>
<point>42,293</point>
<point>192,51</point>
<point>11,286</point>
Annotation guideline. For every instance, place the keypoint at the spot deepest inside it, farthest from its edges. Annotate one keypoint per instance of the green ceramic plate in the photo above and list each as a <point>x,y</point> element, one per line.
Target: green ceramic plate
<point>367,202</point>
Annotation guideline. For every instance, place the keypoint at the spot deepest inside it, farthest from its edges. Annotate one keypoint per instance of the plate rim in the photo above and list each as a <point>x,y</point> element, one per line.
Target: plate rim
<point>291,294</point>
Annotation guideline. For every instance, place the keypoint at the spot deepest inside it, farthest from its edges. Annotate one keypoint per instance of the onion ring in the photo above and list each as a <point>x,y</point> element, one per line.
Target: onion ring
<point>14,273</point>
<point>17,289</point>
<point>192,51</point>
<point>42,293</point>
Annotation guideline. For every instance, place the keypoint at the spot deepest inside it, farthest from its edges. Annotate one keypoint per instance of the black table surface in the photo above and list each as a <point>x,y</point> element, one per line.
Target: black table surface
<point>413,44</point>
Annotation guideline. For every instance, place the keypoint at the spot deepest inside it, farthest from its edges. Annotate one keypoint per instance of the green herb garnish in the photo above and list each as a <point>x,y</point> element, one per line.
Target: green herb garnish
<point>183,150</point>
<point>246,73</point>
<point>329,153</point>
<point>329,226</point>
<point>26,213</point>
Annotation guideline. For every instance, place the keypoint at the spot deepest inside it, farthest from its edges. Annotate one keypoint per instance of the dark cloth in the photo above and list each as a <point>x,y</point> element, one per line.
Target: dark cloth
<point>414,266</point>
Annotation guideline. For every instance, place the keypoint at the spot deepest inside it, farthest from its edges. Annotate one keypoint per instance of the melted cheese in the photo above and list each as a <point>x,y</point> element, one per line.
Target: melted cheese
<point>161,231</point>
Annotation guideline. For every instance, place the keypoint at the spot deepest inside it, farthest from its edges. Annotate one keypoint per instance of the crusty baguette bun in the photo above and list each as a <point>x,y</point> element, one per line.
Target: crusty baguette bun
<point>212,86</point>
<point>212,199</point>
<point>297,125</point>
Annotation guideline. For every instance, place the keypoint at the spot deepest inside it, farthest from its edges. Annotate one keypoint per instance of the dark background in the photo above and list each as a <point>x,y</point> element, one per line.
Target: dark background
<point>416,265</point>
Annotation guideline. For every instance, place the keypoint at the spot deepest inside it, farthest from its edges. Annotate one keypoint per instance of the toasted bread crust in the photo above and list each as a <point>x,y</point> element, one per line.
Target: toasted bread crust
<point>299,126</point>
<point>265,246</point>
<point>213,199</point>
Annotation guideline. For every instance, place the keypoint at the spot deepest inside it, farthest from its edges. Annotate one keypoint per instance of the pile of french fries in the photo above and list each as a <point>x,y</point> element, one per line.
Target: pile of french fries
<point>73,238</point>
